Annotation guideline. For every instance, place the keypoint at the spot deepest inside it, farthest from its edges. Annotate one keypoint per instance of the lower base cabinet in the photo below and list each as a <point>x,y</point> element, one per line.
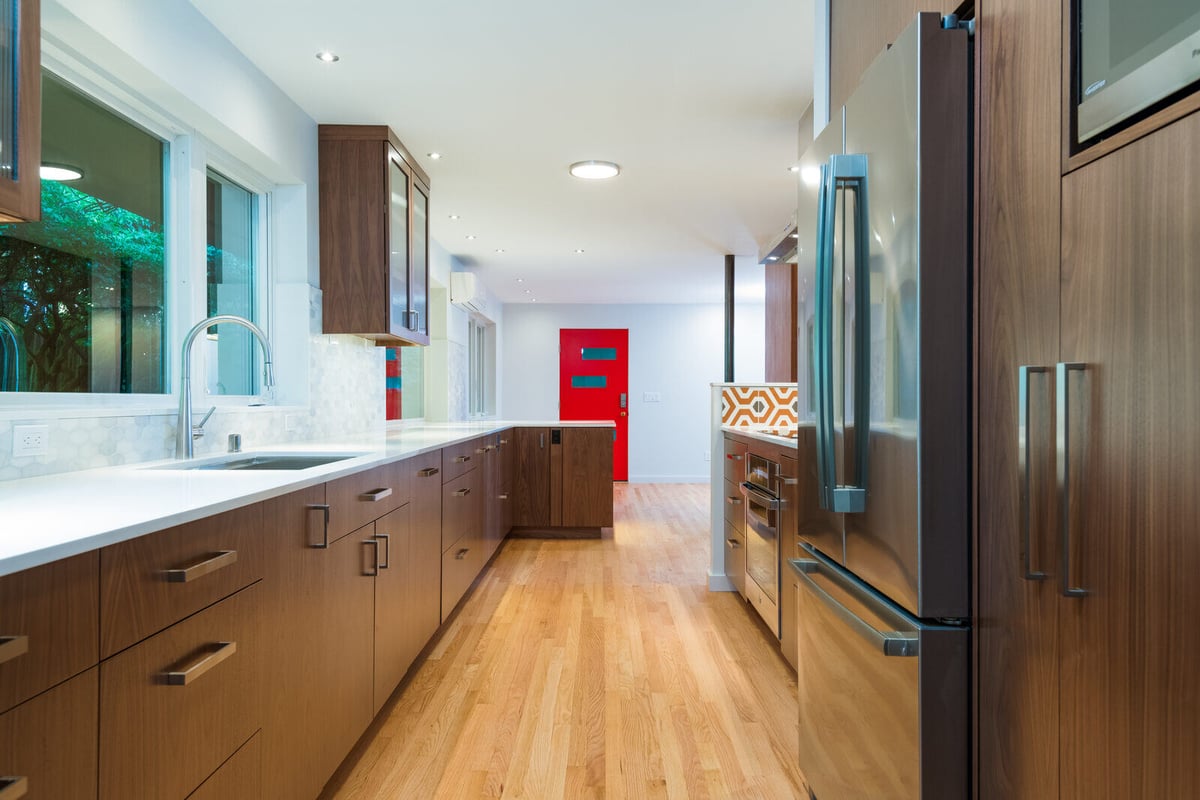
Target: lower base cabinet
<point>393,637</point>
<point>239,778</point>
<point>48,743</point>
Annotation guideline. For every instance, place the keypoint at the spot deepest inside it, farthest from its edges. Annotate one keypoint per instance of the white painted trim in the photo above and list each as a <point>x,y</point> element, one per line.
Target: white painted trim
<point>821,66</point>
<point>720,583</point>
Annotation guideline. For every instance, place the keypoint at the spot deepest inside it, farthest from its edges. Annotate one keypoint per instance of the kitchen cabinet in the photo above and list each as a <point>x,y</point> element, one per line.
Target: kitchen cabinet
<point>374,236</point>
<point>21,104</point>
<point>48,744</point>
<point>424,567</point>
<point>319,611</point>
<point>239,778</point>
<point>781,306</point>
<point>394,644</point>
<point>463,536</point>
<point>494,532</point>
<point>789,583</point>
<point>531,483</point>
<point>563,478</point>
<point>1086,458</point>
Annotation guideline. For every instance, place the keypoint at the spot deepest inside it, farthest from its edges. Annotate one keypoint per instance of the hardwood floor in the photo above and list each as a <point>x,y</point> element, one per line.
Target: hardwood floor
<point>593,669</point>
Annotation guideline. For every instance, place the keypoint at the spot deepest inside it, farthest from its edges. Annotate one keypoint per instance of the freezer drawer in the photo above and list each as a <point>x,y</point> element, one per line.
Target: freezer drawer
<point>883,696</point>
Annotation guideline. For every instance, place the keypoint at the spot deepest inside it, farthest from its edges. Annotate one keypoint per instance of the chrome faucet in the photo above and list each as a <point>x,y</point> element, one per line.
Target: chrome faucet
<point>185,432</point>
<point>10,356</point>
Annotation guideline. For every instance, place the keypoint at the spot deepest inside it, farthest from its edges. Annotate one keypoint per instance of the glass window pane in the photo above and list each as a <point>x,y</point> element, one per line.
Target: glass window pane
<point>588,381</point>
<point>598,354</point>
<point>231,352</point>
<point>398,245</point>
<point>84,287</point>
<point>404,382</point>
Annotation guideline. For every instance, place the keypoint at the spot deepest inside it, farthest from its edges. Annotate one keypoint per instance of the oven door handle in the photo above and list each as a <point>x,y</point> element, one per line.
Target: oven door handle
<point>763,498</point>
<point>901,643</point>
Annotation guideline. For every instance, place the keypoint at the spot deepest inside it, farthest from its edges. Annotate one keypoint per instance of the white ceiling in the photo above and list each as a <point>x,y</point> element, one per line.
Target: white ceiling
<point>699,101</point>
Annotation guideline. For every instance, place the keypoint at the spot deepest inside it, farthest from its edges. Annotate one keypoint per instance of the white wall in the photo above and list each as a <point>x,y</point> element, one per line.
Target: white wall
<point>676,350</point>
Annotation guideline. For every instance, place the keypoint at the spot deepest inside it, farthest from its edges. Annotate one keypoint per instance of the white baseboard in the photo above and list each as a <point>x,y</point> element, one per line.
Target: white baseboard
<point>720,583</point>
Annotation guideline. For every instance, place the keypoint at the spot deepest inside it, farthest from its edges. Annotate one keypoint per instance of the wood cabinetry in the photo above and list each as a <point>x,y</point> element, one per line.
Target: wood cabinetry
<point>463,536</point>
<point>374,219</point>
<point>395,647</point>
<point>531,482</point>
<point>49,743</point>
<point>781,305</point>
<point>789,508</point>
<point>21,97</point>
<point>239,778</point>
<point>563,478</point>
<point>48,622</point>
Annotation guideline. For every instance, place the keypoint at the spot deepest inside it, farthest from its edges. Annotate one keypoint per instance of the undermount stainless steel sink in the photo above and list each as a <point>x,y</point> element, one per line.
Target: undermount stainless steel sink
<point>263,461</point>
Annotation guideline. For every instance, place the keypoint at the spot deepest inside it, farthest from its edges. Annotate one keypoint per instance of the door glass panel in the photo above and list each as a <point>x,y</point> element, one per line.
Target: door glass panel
<point>588,381</point>
<point>398,244</point>
<point>420,260</point>
<point>598,354</point>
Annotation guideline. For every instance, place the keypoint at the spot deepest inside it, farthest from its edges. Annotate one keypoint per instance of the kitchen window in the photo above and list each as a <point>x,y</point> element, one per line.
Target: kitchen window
<point>481,346</point>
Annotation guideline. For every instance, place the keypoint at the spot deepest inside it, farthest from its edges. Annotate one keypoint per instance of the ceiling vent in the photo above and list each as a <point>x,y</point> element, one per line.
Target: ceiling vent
<point>468,293</point>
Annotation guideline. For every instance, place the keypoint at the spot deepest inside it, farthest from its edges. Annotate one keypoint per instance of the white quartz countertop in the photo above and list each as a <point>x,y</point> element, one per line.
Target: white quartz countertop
<point>55,516</point>
<point>761,435</point>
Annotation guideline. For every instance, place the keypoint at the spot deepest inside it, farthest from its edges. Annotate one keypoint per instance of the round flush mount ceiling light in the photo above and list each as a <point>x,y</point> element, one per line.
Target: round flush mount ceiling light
<point>595,170</point>
<point>59,172</point>
<point>328,57</point>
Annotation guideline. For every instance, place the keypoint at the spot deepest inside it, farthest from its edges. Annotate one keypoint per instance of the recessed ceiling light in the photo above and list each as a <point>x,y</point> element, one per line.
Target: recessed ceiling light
<point>578,249</point>
<point>533,299</point>
<point>435,156</point>
<point>794,168</point>
<point>520,280</point>
<point>595,170</point>
<point>772,258</point>
<point>328,57</point>
<point>59,172</point>
<point>529,291</point>
<point>795,236</point>
<point>499,249</point>
<point>454,216</point>
<point>470,236</point>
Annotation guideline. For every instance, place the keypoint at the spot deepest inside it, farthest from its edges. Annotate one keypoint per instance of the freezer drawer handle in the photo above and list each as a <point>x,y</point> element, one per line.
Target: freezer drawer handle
<point>13,786</point>
<point>1063,407</point>
<point>1025,454</point>
<point>890,643</point>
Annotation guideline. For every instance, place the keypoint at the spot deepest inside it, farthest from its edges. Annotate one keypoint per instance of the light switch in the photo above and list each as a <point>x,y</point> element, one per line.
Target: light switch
<point>651,397</point>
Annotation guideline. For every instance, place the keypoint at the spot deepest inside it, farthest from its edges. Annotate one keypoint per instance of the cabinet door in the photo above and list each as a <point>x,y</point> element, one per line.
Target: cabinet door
<point>319,633</point>
<point>393,638</point>
<point>1131,450</point>
<point>399,318</point>
<point>1018,193</point>
<point>587,478</point>
<point>50,742</point>
<point>419,274</point>
<point>507,471</point>
<point>21,111</point>
<point>425,552</point>
<point>532,479</point>
<point>789,492</point>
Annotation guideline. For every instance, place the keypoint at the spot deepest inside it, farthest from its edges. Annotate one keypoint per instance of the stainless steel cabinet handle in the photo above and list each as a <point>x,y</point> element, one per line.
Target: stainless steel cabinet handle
<point>461,492</point>
<point>901,643</point>
<point>733,457</point>
<point>13,786</point>
<point>213,563</point>
<point>428,472</point>
<point>214,654</point>
<point>461,459</point>
<point>503,496</point>
<point>1025,456</point>
<point>504,441</point>
<point>542,440</point>
<point>374,561</point>
<point>461,554</point>
<point>733,501</point>
<point>387,551</point>
<point>13,646</point>
<point>1062,397</point>
<point>734,544</point>
<point>788,481</point>
<point>323,507</point>
<point>375,495</point>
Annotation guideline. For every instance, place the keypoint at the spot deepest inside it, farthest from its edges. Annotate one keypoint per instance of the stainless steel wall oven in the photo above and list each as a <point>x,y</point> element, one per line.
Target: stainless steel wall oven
<point>762,503</point>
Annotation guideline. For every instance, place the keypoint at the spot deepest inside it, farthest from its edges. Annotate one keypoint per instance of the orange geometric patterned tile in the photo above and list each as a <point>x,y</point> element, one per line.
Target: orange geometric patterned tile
<point>759,405</point>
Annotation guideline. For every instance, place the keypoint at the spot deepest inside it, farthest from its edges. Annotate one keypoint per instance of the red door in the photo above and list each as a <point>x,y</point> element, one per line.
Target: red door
<point>593,383</point>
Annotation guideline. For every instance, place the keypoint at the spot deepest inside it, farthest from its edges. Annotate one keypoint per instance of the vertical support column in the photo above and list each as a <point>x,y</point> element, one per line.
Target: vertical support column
<point>729,318</point>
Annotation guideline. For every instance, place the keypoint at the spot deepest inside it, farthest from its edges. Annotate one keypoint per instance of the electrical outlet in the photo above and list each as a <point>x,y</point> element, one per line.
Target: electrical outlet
<point>31,440</point>
<point>291,423</point>
<point>651,397</point>
<point>707,455</point>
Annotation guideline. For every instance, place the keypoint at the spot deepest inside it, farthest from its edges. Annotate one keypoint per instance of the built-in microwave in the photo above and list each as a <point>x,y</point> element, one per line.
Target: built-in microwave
<point>1131,55</point>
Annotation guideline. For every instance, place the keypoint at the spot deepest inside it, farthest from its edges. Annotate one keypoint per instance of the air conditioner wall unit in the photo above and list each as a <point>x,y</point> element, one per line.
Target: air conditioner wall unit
<point>468,293</point>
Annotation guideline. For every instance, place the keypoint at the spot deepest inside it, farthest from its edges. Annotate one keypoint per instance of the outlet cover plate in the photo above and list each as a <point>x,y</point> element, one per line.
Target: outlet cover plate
<point>31,440</point>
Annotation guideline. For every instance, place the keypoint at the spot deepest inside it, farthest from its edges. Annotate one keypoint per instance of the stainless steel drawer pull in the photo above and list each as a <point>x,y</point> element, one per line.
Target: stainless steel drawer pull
<point>504,441</point>
<point>387,550</point>
<point>1062,396</point>
<point>211,564</point>
<point>13,646</point>
<point>374,561</point>
<point>503,496</point>
<point>428,472</point>
<point>462,492</point>
<point>733,501</point>
<point>324,545</point>
<point>461,459</point>
<point>1024,458</point>
<point>375,495</point>
<point>461,554</point>
<point>734,544</point>
<point>213,654</point>
<point>13,786</point>
<point>733,457</point>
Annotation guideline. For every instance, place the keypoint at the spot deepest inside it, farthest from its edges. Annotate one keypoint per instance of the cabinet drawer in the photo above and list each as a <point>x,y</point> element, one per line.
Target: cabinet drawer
<point>50,742</point>
<point>735,512</point>
<point>460,564</point>
<point>48,621</point>
<point>458,459</point>
<point>735,558</point>
<point>462,508</point>
<point>424,472</point>
<point>175,707</point>
<point>239,778</point>
<point>735,461</point>
<point>364,497</point>
<point>149,583</point>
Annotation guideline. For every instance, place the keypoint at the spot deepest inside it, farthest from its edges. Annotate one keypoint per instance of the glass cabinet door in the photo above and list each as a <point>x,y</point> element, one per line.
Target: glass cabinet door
<point>20,111</point>
<point>399,318</point>
<point>420,259</point>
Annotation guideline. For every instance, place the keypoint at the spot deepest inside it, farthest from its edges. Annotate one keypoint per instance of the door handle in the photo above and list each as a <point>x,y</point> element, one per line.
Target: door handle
<point>374,561</point>
<point>1063,451</point>
<point>624,404</point>
<point>1025,456</point>
<point>323,507</point>
<point>387,550</point>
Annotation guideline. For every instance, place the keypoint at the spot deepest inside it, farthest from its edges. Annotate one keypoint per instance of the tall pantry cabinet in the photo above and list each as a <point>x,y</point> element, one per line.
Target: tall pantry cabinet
<point>1088,515</point>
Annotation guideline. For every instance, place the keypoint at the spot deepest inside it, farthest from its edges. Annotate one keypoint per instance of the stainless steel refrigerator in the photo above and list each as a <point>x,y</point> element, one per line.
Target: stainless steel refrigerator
<point>885,342</point>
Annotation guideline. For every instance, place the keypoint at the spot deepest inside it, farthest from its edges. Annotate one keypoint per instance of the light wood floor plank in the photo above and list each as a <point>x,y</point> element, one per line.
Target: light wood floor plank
<point>592,669</point>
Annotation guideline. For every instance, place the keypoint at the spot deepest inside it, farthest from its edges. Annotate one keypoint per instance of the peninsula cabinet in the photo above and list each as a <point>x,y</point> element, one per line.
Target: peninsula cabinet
<point>374,231</point>
<point>1089,445</point>
<point>531,483</point>
<point>563,478</point>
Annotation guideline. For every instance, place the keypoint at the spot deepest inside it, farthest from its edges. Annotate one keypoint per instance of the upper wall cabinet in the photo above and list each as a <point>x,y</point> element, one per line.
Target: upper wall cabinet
<point>20,110</point>
<point>374,236</point>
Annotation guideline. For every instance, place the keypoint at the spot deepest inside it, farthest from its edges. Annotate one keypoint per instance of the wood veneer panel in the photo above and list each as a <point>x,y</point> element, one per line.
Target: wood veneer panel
<point>1130,701</point>
<point>51,740</point>
<point>239,778</point>
<point>425,555</point>
<point>531,480</point>
<point>781,323</point>
<point>587,482</point>
<point>1018,52</point>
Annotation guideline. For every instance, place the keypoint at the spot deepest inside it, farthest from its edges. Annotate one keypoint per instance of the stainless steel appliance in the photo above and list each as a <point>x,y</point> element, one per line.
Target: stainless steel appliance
<point>763,506</point>
<point>884,260</point>
<point>1130,54</point>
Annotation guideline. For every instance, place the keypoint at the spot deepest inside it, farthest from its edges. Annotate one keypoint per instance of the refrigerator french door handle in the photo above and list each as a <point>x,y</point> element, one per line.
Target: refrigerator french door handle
<point>1025,456</point>
<point>1062,398</point>
<point>851,170</point>
<point>822,341</point>
<point>895,643</point>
